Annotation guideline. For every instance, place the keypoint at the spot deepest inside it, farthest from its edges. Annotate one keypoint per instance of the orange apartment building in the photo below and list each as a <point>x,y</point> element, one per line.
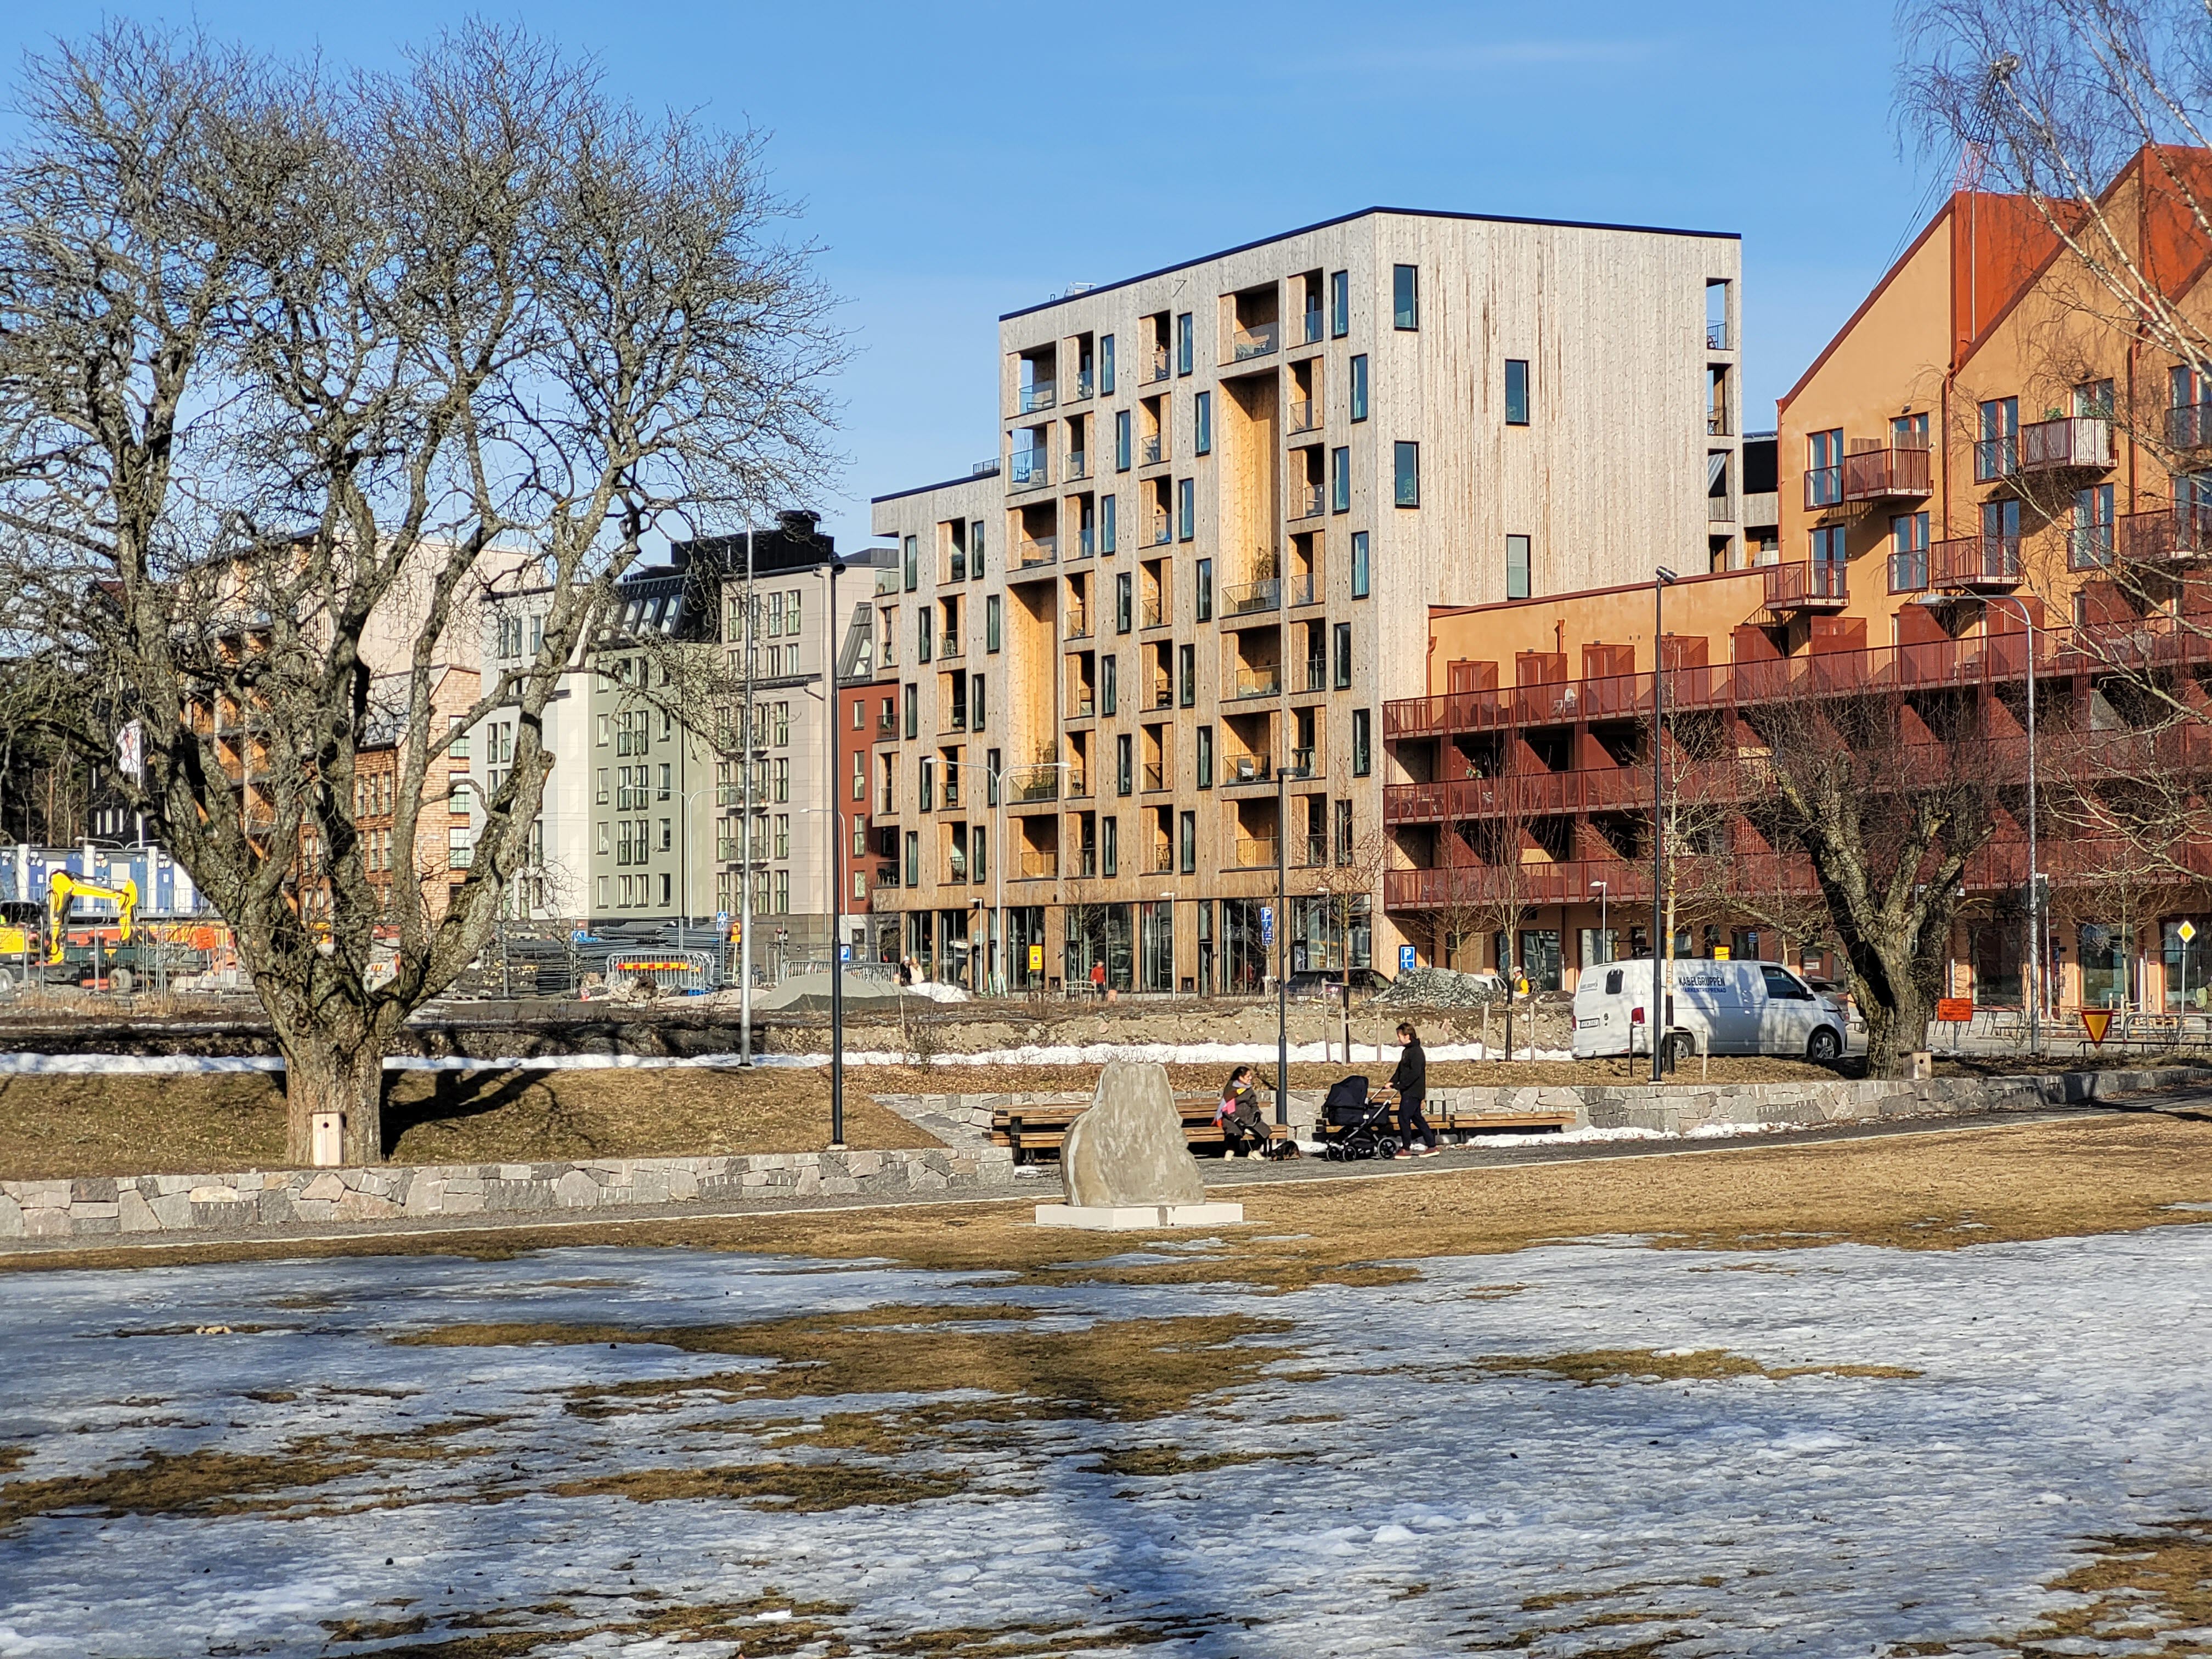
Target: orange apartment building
<point>1979,460</point>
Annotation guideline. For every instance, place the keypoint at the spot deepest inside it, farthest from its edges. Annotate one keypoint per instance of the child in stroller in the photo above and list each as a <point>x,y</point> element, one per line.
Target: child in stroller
<point>1356,1125</point>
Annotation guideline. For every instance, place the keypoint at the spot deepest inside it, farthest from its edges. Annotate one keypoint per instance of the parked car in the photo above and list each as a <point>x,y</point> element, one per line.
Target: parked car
<point>1326,983</point>
<point>1727,1007</point>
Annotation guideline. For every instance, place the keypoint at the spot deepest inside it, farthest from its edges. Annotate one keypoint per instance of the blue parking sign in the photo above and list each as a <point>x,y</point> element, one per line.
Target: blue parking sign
<point>1266,924</point>
<point>1406,955</point>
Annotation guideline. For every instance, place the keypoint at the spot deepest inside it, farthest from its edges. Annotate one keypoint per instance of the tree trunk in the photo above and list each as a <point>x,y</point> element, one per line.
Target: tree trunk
<point>1895,1031</point>
<point>325,1071</point>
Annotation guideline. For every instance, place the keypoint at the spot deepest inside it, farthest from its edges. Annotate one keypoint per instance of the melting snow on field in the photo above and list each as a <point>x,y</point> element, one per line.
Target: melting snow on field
<point>1440,1507</point>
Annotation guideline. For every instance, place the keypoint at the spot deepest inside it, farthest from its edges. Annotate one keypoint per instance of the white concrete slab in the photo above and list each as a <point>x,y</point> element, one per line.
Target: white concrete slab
<point>1135,1217</point>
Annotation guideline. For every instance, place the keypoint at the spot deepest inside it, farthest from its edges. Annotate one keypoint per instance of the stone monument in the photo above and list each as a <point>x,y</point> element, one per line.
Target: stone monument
<point>1126,1164</point>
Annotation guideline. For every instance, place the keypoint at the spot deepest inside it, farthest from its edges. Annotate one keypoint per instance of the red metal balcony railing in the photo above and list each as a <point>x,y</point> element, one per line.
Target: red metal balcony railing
<point>2077,443</point>
<point>1813,584</point>
<point>1876,475</point>
<point>2181,531</point>
<point>1975,563</point>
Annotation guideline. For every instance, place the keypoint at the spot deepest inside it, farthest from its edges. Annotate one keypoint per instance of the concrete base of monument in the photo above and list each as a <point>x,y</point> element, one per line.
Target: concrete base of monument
<point>1135,1217</point>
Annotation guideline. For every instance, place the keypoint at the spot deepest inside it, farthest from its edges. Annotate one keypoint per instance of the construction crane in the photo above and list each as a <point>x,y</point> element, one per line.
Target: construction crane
<point>64,887</point>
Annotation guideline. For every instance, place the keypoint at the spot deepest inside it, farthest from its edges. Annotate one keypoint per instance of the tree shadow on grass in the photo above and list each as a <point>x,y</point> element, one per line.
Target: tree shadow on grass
<point>431,1100</point>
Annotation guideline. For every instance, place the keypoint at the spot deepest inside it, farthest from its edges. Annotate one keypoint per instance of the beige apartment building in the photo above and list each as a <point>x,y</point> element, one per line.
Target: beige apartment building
<point>1144,660</point>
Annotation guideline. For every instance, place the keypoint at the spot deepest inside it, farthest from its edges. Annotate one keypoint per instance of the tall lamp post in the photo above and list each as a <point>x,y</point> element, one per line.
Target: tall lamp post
<point>998,865</point>
<point>1604,935</point>
<point>1661,579</point>
<point>2034,876</point>
<point>745,824</point>
<point>683,799</point>
<point>1283,944</point>
<point>836,866</point>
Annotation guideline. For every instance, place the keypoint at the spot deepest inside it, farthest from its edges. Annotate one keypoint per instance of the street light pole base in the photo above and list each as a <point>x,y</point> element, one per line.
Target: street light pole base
<point>835,1146</point>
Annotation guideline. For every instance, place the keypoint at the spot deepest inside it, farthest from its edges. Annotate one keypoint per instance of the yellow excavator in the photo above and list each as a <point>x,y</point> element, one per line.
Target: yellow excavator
<point>63,887</point>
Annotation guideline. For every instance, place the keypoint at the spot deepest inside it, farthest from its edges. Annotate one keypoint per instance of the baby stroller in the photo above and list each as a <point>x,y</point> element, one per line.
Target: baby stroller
<point>1355,1125</point>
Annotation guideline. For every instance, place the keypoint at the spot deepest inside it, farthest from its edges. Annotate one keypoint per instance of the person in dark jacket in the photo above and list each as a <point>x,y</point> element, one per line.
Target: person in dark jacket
<point>1411,1080</point>
<point>1243,1131</point>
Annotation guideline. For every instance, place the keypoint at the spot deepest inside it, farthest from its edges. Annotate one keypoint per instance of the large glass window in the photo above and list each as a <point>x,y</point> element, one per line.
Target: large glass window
<point>1186,508</point>
<point>1124,591</point>
<point>1156,946</point>
<point>912,549</point>
<point>991,625</point>
<point>2089,539</point>
<point>1359,387</point>
<point>2188,965</point>
<point>1106,366</point>
<point>1406,475</point>
<point>1343,656</point>
<point>1122,441</point>
<point>1340,480</point>
<point>1359,571</point>
<point>1823,468</point>
<point>1124,769</point>
<point>1187,673</point>
<point>1339,304</point>
<point>1186,849</point>
<point>1908,553</point>
<point>1108,532</point>
<point>1363,743</point>
<point>1186,344</point>
<point>1202,591</point>
<point>1997,450</point>
<point>1202,423</point>
<point>1406,296</point>
<point>1204,747</point>
<point>1109,683</point>
<point>1517,392</point>
<point>2103,953</point>
<point>1517,566</point>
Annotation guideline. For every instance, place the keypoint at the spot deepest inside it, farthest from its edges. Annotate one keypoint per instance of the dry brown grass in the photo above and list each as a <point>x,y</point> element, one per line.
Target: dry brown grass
<point>802,1488</point>
<point>1614,1366</point>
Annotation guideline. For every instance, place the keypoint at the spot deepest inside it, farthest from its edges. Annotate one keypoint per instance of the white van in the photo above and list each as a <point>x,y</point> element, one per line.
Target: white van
<point>1714,1007</point>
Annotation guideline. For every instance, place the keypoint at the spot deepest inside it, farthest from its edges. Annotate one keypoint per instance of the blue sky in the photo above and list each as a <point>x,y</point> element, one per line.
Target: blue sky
<point>959,162</point>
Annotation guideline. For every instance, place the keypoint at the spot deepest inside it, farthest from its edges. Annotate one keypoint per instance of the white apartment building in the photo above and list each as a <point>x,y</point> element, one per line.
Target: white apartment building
<point>1228,492</point>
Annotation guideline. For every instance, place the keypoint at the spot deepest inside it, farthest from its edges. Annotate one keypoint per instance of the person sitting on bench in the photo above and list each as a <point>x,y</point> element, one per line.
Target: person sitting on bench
<point>1411,1080</point>
<point>1243,1131</point>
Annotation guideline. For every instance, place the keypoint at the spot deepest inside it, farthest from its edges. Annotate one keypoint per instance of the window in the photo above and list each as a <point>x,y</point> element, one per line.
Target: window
<point>1996,452</point>
<point>1123,589</point>
<point>913,858</point>
<point>782,834</point>
<point>1339,304</point>
<point>1362,746</point>
<point>1202,591</point>
<point>1823,468</point>
<point>1124,765</point>
<point>782,780</point>
<point>1406,296</point>
<point>926,783</point>
<point>1343,655</point>
<point>604,720</point>
<point>665,769</point>
<point>975,702</point>
<point>921,621</point>
<point>978,843</point>
<point>1359,387</point>
<point>1122,441</point>
<point>860,776</point>
<point>1106,365</point>
<point>1908,553</point>
<point>990,777</point>
<point>1188,663</point>
<point>602,791</point>
<point>2089,541</point>
<point>975,550</point>
<point>1909,431</point>
<point>990,621</point>
<point>1202,423</point>
<point>912,562</point>
<point>1517,392</point>
<point>1341,824</point>
<point>1828,545</point>
<point>913,709</point>
<point>1186,859</point>
<point>1517,566</point>
<point>1186,508</point>
<point>1109,683</point>
<point>1406,475</point>
<point>1186,344</point>
<point>1340,480</point>
<point>600,893</point>
<point>1205,757</point>
<point>602,828</point>
<point>1109,541</point>
<point>1109,844</point>
<point>1359,573</point>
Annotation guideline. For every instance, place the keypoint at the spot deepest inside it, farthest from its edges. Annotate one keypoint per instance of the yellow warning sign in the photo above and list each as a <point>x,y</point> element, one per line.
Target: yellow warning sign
<point>2096,1022</point>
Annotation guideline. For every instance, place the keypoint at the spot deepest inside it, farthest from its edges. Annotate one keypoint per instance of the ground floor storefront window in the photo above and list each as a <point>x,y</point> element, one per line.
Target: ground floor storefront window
<point>1099,933</point>
<point>1244,958</point>
<point>2103,952</point>
<point>1156,946</point>
<point>1993,949</point>
<point>1025,947</point>
<point>2188,963</point>
<point>1325,929</point>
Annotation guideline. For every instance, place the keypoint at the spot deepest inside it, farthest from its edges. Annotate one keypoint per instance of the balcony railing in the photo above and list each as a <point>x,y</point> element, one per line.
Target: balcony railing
<point>1975,561</point>
<point>1162,860</point>
<point>1313,851</point>
<point>1156,775</point>
<point>1085,542</point>
<point>1246,768</point>
<point>1256,341</point>
<point>1249,597</point>
<point>1030,468</point>
<point>2088,546</point>
<point>2181,531</point>
<point>1257,682</point>
<point>1162,530</point>
<point>1082,385</point>
<point>2080,443</point>
<point>948,645</point>
<point>1036,550</point>
<point>1079,465</point>
<point>1163,692</point>
<point>1812,585</point>
<point>1033,783</point>
<point>1151,613</point>
<point>1151,452</point>
<point>952,793</point>
<point>1253,853</point>
<point>887,876</point>
<point>1308,501</point>
<point>1316,677</point>
<point>1824,487</point>
<point>1312,335</point>
<point>1039,394</point>
<point>1305,415</point>
<point>2189,426</point>
<point>1717,336</point>
<point>1078,624</point>
<point>1082,706</point>
<point>886,724</point>
<point>1156,367</point>
<point>1301,761</point>
<point>1720,509</point>
<point>1299,589</point>
<point>1876,475</point>
<point>1996,458</point>
<point>1039,866</point>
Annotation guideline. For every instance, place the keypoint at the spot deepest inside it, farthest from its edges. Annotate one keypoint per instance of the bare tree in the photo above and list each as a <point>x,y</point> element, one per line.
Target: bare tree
<point>286,359</point>
<point>1352,874</point>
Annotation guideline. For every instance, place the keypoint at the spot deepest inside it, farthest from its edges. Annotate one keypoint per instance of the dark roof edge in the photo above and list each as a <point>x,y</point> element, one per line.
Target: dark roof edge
<point>924,489</point>
<point>1362,212</point>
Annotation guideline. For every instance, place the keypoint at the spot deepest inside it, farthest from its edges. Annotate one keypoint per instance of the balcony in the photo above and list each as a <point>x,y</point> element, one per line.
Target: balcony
<point>1082,385</point>
<point>948,645</point>
<point>1151,613</point>
<point>1163,692</point>
<point>1246,768</point>
<point>1038,867</point>
<point>1316,674</point>
<point>1299,590</point>
<point>952,793</point>
<point>1151,452</point>
<point>1083,708</point>
<point>1720,509</point>
<point>1305,415</point>
<point>1974,563</point>
<point>1156,366</point>
<point>886,877</point>
<point>1995,459</point>
<point>2169,535</point>
<point>1036,550</point>
<point>886,725</point>
<point>1085,541</point>
<point>1882,475</point>
<point>1079,465</point>
<point>1313,850</point>
<point>887,581</point>
<point>1156,777</point>
<point>1161,530</point>
<point>1242,600</point>
<point>1308,501</point>
<point>1266,681</point>
<point>1814,585</point>
<point>1079,623</point>
<point>1162,860</point>
<point>1029,469</point>
<point>2077,444</point>
<point>1253,853</point>
<point>1039,394</point>
<point>2189,426</point>
<point>1033,783</point>
<point>1256,341</point>
<point>1716,338</point>
<point>1301,761</point>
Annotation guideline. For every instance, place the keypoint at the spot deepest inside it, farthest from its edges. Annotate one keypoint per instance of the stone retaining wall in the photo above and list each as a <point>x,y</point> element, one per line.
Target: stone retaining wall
<point>91,1207</point>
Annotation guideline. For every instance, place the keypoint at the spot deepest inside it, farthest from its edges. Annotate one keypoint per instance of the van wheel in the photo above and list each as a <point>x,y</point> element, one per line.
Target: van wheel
<point>1824,1048</point>
<point>1674,1052</point>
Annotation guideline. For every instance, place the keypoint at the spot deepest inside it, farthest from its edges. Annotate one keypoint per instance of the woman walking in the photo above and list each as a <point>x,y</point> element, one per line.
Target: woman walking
<point>1411,1080</point>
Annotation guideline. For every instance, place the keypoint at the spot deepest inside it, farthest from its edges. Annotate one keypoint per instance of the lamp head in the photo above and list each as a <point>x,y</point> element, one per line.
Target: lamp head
<point>1667,578</point>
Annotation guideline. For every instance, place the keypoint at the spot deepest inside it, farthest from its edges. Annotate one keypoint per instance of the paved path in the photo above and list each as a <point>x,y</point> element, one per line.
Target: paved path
<point>1040,1184</point>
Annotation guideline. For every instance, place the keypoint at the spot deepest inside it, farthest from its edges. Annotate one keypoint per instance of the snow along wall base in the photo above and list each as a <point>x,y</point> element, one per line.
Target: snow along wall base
<point>1135,1217</point>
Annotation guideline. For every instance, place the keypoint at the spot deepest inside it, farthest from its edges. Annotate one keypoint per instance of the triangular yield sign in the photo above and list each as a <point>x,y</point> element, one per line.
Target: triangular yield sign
<point>2096,1022</point>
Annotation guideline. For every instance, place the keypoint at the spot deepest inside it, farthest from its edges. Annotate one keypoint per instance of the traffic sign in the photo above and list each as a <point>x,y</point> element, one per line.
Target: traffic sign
<point>844,953</point>
<point>1407,958</point>
<point>2096,1022</point>
<point>1266,924</point>
<point>1037,958</point>
<point>2187,931</point>
<point>1954,1010</point>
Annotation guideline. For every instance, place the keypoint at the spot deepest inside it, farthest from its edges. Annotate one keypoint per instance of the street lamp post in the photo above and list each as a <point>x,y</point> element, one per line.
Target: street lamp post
<point>745,825</point>
<point>998,865</point>
<point>683,799</point>
<point>1283,944</point>
<point>1604,936</point>
<point>1662,578</point>
<point>2034,876</point>
<point>836,868</point>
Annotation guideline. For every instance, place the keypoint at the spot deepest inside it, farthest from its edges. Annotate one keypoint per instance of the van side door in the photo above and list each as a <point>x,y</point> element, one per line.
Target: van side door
<point>1786,1022</point>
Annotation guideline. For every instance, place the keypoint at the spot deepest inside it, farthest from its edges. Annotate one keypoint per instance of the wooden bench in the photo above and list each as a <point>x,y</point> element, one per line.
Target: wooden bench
<point>1028,1130</point>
